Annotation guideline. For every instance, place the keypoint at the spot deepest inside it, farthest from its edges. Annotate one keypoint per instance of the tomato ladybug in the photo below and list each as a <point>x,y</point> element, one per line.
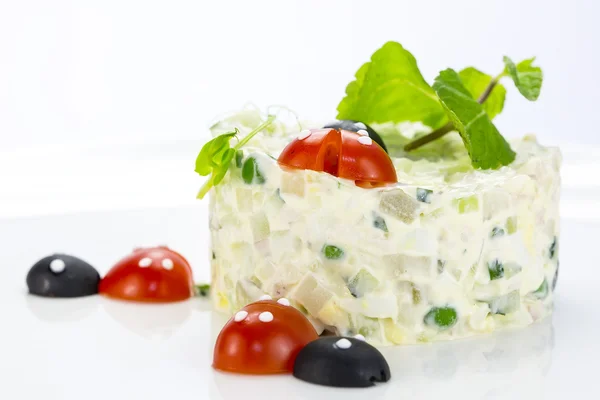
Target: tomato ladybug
<point>263,338</point>
<point>356,126</point>
<point>345,154</point>
<point>156,274</point>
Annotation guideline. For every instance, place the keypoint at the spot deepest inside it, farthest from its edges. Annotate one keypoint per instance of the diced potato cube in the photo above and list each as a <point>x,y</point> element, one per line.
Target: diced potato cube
<point>292,183</point>
<point>311,294</point>
<point>399,205</point>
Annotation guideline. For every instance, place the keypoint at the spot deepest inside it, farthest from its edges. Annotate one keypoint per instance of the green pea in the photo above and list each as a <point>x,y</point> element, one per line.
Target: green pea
<point>332,252</point>
<point>443,317</point>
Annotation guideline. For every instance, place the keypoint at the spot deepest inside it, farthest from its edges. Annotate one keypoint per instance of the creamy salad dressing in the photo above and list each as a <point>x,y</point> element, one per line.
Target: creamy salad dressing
<point>448,252</point>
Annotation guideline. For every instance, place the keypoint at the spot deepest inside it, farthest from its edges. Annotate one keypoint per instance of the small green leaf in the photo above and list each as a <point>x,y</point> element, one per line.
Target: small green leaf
<point>202,289</point>
<point>332,252</point>
<point>476,82</point>
<point>527,78</point>
<point>251,173</point>
<point>390,88</point>
<point>216,155</point>
<point>486,147</point>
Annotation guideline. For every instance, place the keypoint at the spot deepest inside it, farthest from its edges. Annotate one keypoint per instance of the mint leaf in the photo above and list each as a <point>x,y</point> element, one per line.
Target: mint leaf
<point>390,88</point>
<point>476,82</point>
<point>486,147</point>
<point>528,79</point>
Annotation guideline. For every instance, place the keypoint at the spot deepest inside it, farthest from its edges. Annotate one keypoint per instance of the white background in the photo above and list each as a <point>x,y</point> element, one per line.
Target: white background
<point>104,105</point>
<point>74,71</point>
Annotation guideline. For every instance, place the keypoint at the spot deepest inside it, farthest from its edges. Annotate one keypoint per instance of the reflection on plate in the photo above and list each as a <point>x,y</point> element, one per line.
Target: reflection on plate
<point>492,365</point>
<point>62,310</point>
<point>149,320</point>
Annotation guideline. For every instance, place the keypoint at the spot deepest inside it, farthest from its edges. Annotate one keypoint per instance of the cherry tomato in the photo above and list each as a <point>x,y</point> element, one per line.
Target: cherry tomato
<point>341,153</point>
<point>156,274</point>
<point>263,338</point>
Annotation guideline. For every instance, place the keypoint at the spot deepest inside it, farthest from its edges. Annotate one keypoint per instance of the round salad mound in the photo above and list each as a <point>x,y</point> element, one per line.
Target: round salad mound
<point>449,251</point>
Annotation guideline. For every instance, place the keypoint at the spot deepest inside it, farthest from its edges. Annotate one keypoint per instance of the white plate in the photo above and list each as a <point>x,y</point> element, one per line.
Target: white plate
<point>94,348</point>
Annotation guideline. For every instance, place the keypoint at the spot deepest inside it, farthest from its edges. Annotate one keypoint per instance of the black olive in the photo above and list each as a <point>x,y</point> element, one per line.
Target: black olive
<point>355,126</point>
<point>61,275</point>
<point>341,362</point>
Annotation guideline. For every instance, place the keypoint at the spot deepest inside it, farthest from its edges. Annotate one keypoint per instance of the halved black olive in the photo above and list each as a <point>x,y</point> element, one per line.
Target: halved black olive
<point>61,275</point>
<point>341,362</point>
<point>355,126</point>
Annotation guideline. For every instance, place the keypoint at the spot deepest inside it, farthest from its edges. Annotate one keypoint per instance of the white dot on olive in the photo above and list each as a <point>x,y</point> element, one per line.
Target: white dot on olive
<point>57,266</point>
<point>360,125</point>
<point>167,263</point>
<point>343,344</point>
<point>265,297</point>
<point>240,316</point>
<point>265,316</point>
<point>145,262</point>
<point>360,337</point>
<point>362,132</point>
<point>367,141</point>
<point>304,134</point>
<point>283,301</point>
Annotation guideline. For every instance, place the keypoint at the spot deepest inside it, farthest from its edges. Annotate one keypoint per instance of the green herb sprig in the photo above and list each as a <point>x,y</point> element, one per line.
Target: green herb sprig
<point>216,155</point>
<point>390,88</point>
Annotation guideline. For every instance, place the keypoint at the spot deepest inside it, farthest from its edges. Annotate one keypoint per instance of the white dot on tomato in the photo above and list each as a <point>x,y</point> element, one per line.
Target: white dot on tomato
<point>265,297</point>
<point>304,134</point>
<point>240,316</point>
<point>265,316</point>
<point>145,262</point>
<point>367,141</point>
<point>343,344</point>
<point>362,132</point>
<point>167,263</point>
<point>283,301</point>
<point>57,266</point>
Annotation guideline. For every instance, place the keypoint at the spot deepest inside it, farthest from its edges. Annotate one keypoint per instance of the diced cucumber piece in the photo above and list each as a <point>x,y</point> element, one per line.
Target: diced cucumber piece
<point>555,279</point>
<point>542,291</point>
<point>554,248</point>
<point>496,269</point>
<point>332,252</point>
<point>379,222</point>
<point>467,204</point>
<point>251,173</point>
<point>511,269</point>
<point>505,304</point>
<point>399,205</point>
<point>424,195</point>
<point>361,283</point>
<point>442,317</point>
<point>416,295</point>
<point>440,266</point>
<point>239,157</point>
<point>496,231</point>
<point>511,225</point>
